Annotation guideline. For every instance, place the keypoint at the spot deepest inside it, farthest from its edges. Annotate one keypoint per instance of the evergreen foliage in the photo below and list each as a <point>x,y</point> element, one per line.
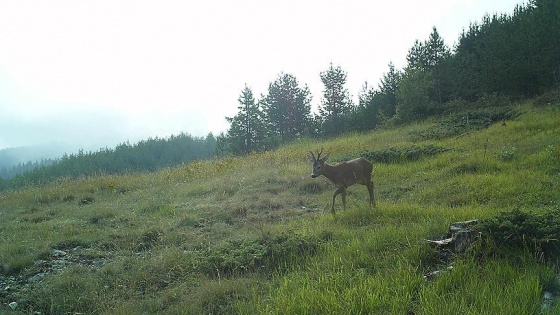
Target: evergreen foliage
<point>513,55</point>
<point>336,104</point>
<point>502,57</point>
<point>525,230</point>
<point>247,131</point>
<point>287,108</point>
<point>144,156</point>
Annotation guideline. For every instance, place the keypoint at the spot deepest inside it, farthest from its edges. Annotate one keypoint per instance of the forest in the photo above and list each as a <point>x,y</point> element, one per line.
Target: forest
<point>501,58</point>
<point>144,156</point>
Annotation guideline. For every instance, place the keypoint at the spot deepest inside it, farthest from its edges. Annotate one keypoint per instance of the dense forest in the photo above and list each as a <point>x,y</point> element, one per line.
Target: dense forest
<point>7,172</point>
<point>500,58</point>
<point>147,155</point>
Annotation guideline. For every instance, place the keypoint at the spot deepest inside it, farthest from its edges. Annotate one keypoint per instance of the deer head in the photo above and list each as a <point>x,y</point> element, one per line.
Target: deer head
<point>318,163</point>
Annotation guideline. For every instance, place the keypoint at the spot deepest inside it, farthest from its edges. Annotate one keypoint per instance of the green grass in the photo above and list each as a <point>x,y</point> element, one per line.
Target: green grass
<point>254,234</point>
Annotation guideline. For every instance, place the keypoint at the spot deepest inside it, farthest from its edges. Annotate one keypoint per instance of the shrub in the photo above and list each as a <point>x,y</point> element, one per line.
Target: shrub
<point>85,201</point>
<point>518,229</point>
<point>466,121</point>
<point>267,253</point>
<point>399,155</point>
<point>507,154</point>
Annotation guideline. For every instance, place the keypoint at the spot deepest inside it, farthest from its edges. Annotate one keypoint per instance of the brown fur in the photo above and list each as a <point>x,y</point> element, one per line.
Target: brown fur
<point>344,175</point>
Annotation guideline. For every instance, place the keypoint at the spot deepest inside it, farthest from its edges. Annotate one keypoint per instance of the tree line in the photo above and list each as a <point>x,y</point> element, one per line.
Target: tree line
<point>143,156</point>
<point>499,58</point>
<point>12,171</point>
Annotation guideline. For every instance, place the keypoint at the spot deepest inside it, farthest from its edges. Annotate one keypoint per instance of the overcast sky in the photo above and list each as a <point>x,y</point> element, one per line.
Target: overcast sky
<point>97,73</point>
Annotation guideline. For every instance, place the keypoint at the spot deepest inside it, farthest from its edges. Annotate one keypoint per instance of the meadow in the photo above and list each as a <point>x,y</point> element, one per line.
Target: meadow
<point>255,235</point>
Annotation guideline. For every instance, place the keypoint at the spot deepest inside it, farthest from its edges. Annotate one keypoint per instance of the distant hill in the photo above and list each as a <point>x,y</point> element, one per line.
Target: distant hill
<point>36,154</point>
<point>13,156</point>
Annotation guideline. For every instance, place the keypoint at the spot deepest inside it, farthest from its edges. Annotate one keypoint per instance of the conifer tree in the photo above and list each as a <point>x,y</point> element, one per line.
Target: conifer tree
<point>336,105</point>
<point>287,108</point>
<point>247,127</point>
<point>388,87</point>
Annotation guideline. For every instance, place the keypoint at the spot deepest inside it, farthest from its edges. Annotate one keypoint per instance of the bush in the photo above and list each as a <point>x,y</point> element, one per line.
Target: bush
<point>399,155</point>
<point>466,121</point>
<point>507,154</point>
<point>525,230</point>
<point>268,253</point>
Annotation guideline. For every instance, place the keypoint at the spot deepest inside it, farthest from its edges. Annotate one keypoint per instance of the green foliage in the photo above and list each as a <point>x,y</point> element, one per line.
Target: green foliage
<point>377,106</point>
<point>272,252</point>
<point>388,87</point>
<point>507,154</point>
<point>465,121</point>
<point>494,55</point>
<point>247,131</point>
<point>287,108</point>
<point>499,58</point>
<point>400,155</point>
<point>336,104</point>
<point>474,288</point>
<point>253,235</point>
<point>521,229</point>
<point>428,54</point>
<point>414,102</point>
<point>146,155</point>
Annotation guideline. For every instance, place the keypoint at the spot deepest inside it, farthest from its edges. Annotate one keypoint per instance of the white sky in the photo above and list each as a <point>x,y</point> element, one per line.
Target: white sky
<point>97,73</point>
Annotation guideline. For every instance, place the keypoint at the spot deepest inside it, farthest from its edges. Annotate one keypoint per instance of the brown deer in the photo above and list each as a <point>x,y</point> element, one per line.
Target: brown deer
<point>344,175</point>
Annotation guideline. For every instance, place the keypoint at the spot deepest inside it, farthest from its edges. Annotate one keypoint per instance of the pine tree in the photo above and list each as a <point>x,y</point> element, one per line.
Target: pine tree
<point>287,108</point>
<point>336,103</point>
<point>435,49</point>
<point>388,88</point>
<point>428,54</point>
<point>417,57</point>
<point>247,127</point>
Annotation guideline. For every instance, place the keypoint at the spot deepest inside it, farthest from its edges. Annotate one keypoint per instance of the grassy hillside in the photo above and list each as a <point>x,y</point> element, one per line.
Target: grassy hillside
<point>254,234</point>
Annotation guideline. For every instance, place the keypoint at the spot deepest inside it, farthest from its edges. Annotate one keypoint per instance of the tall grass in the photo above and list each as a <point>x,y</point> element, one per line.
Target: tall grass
<point>254,235</point>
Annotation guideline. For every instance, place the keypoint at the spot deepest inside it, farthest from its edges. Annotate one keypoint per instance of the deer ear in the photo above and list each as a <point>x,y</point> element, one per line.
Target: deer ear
<point>324,159</point>
<point>311,157</point>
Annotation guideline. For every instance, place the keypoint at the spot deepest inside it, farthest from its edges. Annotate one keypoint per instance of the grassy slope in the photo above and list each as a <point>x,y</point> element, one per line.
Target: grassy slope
<point>253,235</point>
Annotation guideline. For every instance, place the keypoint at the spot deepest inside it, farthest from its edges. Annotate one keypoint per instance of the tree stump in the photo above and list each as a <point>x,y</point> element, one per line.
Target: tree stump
<point>458,239</point>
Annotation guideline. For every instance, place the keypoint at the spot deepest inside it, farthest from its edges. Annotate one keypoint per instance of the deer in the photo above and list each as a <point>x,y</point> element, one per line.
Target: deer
<point>344,175</point>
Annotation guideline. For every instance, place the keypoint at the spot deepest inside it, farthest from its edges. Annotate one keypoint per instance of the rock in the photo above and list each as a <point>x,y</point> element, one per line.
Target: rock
<point>40,263</point>
<point>58,253</point>
<point>13,305</point>
<point>464,225</point>
<point>548,301</point>
<point>459,237</point>
<point>58,264</point>
<point>36,278</point>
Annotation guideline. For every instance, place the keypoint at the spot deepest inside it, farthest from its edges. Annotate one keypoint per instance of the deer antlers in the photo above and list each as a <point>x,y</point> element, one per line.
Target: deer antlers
<point>319,155</point>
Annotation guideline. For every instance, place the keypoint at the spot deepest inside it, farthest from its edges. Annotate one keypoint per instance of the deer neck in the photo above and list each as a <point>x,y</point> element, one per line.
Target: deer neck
<point>329,172</point>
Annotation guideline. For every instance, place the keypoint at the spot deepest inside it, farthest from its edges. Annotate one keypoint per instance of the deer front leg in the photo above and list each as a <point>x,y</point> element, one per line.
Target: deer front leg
<point>371,194</point>
<point>336,192</point>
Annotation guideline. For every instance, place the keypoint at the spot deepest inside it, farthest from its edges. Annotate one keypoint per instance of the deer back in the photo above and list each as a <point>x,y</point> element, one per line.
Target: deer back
<point>356,171</point>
